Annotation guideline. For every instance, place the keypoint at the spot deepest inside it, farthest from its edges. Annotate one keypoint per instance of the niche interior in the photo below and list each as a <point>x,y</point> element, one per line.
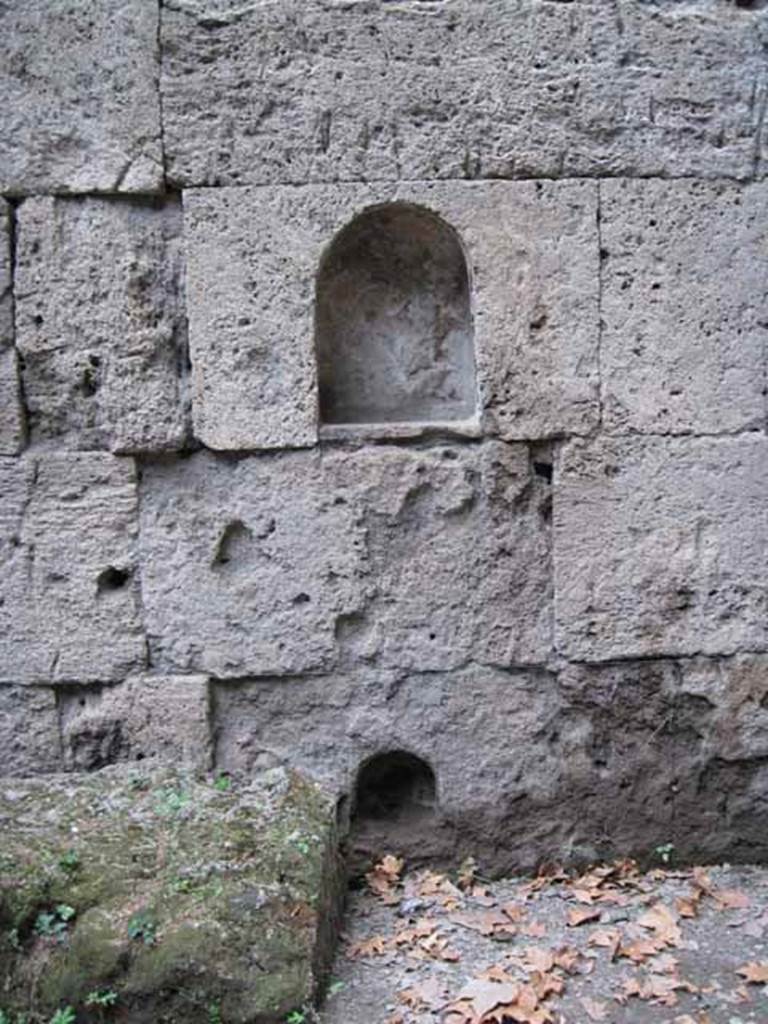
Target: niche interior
<point>394,333</point>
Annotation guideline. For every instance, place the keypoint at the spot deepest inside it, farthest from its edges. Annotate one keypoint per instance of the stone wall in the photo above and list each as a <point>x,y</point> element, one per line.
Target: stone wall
<point>386,376</point>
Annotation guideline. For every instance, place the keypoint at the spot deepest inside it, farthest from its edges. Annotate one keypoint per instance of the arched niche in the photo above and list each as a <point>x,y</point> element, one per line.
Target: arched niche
<point>395,786</point>
<point>394,334</point>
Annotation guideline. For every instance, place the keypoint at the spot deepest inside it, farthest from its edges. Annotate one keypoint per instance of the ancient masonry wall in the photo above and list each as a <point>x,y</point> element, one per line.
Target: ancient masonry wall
<point>392,376</point>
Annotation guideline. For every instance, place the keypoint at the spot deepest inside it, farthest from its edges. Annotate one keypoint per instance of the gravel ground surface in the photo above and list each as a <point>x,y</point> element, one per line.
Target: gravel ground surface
<point>614,946</point>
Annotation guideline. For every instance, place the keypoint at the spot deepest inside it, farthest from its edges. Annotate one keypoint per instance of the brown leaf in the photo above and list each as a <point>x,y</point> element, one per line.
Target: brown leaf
<point>731,899</point>
<point>378,945</point>
<point>514,911</point>
<point>754,972</point>
<point>688,906</point>
<point>426,995</point>
<point>567,958</point>
<point>640,949</point>
<point>383,878</point>
<point>662,921</point>
<point>537,959</point>
<point>595,1009</point>
<point>487,995</point>
<point>579,915</point>
<point>534,930</point>
<point>486,922</point>
<point>467,872</point>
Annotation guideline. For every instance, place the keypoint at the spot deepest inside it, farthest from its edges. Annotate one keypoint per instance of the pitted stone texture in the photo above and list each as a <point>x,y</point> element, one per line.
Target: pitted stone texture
<point>29,731</point>
<point>684,306</point>
<point>661,546</point>
<point>253,257</point>
<point>469,88</point>
<point>485,733</point>
<point>12,425</point>
<point>68,590</point>
<point>162,718</point>
<point>283,564</point>
<point>100,322</point>
<point>674,751</point>
<point>81,110</point>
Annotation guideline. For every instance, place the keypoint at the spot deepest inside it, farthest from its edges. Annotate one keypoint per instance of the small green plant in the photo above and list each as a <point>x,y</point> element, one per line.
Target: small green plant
<point>143,927</point>
<point>181,885</point>
<point>665,852</point>
<point>65,1016</point>
<point>222,782</point>
<point>214,1014</point>
<point>53,924</point>
<point>171,802</point>
<point>70,861</point>
<point>334,987</point>
<point>101,997</point>
<point>296,1017</point>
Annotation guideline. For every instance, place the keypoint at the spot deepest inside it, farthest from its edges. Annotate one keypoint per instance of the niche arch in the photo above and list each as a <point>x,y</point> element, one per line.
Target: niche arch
<point>394,332</point>
<point>394,786</point>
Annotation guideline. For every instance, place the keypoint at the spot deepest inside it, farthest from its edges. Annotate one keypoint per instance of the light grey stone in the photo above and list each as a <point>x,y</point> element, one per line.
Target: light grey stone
<point>467,88</point>
<point>100,322</point>
<point>12,422</point>
<point>29,731</point>
<point>164,718</point>
<point>68,586</point>
<point>254,255</point>
<point>284,564</point>
<point>661,546</point>
<point>81,107</point>
<point>684,306</point>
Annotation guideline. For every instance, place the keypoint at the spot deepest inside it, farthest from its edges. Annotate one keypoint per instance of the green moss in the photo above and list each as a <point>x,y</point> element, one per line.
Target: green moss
<point>231,875</point>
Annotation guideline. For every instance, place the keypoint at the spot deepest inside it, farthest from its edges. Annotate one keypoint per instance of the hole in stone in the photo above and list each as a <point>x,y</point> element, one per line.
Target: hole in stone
<point>233,543</point>
<point>544,470</point>
<point>395,786</point>
<point>393,325</point>
<point>301,599</point>
<point>111,579</point>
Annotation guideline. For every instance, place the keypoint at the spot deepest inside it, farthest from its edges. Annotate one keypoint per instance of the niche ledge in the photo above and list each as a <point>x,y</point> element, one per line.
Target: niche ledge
<point>470,428</point>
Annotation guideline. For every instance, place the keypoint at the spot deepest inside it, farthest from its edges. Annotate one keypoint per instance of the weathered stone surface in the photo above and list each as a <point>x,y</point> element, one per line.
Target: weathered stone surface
<point>254,255</point>
<point>666,751</point>
<point>684,306</point>
<point>469,88</point>
<point>12,425</point>
<point>661,546</point>
<point>29,731</point>
<point>100,322</point>
<point>290,563</point>
<point>183,897</point>
<point>483,732</point>
<point>163,718</point>
<point>68,589</point>
<point>81,110</point>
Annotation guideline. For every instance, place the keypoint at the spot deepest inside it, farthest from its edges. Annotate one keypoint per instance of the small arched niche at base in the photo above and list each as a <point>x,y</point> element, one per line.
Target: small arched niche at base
<point>393,787</point>
<point>394,334</point>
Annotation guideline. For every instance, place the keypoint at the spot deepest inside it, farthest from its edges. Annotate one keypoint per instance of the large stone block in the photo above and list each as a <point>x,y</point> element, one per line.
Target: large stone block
<point>68,588</point>
<point>297,91</point>
<point>668,751</point>
<point>100,322</point>
<point>29,731</point>
<point>254,254</point>
<point>81,109</point>
<point>661,546</point>
<point>283,564</point>
<point>160,718</point>
<point>684,306</point>
<point>12,425</point>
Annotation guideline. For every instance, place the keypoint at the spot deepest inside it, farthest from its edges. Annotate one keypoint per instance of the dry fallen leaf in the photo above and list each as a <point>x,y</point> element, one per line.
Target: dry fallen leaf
<point>688,906</point>
<point>490,923</point>
<point>662,921</point>
<point>534,930</point>
<point>384,877</point>
<point>731,899</point>
<point>579,915</point>
<point>755,973</point>
<point>426,995</point>
<point>378,945</point>
<point>595,1009</point>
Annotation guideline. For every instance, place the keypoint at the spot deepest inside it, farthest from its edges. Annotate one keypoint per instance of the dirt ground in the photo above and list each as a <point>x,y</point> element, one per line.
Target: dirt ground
<point>613,945</point>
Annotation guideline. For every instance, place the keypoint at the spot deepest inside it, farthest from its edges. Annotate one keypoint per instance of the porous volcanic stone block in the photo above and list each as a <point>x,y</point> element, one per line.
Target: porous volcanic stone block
<point>296,91</point>
<point>661,546</point>
<point>164,718</point>
<point>184,897</point>
<point>661,751</point>
<point>484,733</point>
<point>684,306</point>
<point>29,731</point>
<point>12,426</point>
<point>254,255</point>
<point>100,322</point>
<point>69,596</point>
<point>281,564</point>
<point>81,109</point>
